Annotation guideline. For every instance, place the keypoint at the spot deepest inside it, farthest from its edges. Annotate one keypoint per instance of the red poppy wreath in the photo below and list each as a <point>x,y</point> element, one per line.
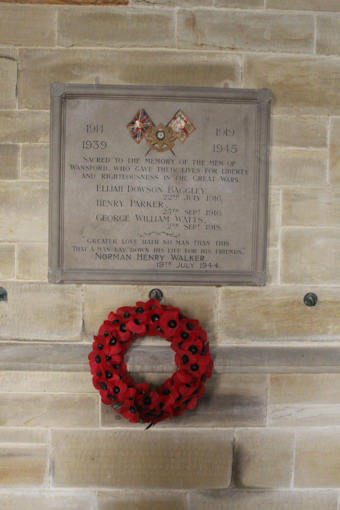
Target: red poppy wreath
<point>138,402</point>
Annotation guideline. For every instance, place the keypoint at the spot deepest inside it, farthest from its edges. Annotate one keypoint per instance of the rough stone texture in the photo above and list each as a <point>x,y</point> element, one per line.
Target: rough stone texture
<point>45,382</point>
<point>298,167</point>
<point>23,466</point>
<point>246,31</point>
<point>32,261</point>
<point>327,35</point>
<point>132,27</point>
<point>299,84</point>
<point>8,83</point>
<point>48,410</point>
<point>193,301</point>
<point>304,415</point>
<point>39,68</point>
<point>310,207</point>
<point>244,4</point>
<point>35,161</point>
<point>9,157</point>
<point>310,256</point>
<point>299,131</point>
<point>274,217</point>
<point>24,127</point>
<point>273,266</point>
<point>41,311</point>
<point>263,500</point>
<point>7,261</point>
<point>16,435</point>
<point>141,500</point>
<point>48,500</point>
<point>308,5</point>
<point>264,458</point>
<point>278,312</point>
<point>317,458</point>
<point>15,29</point>
<point>161,459</point>
<point>229,401</point>
<point>334,151</point>
<point>23,211</point>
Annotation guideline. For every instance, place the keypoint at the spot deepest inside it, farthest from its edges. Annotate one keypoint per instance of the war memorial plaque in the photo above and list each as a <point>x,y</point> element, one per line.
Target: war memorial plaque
<point>158,185</point>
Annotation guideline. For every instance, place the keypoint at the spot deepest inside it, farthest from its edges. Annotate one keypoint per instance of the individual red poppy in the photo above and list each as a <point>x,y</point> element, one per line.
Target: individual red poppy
<point>125,312</point>
<point>119,388</point>
<point>169,323</point>
<point>130,412</point>
<point>135,326</point>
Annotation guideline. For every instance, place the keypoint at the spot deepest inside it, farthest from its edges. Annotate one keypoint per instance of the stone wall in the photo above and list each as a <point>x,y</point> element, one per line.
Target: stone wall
<point>267,433</point>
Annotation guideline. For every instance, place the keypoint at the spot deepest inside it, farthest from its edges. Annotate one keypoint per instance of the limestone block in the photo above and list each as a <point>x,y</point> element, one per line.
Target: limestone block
<point>298,167</point>
<point>334,152</point>
<point>23,466</point>
<point>299,131</point>
<point>310,256</point>
<point>264,458</point>
<point>41,311</point>
<point>308,5</point>
<point>32,261</point>
<point>299,84</point>
<point>7,261</point>
<point>39,68</point>
<point>8,83</point>
<point>254,31</point>
<point>116,27</point>
<point>16,31</point>
<point>24,126</point>
<point>48,410</point>
<point>35,161</point>
<point>310,207</point>
<point>9,161</point>
<point>161,459</point>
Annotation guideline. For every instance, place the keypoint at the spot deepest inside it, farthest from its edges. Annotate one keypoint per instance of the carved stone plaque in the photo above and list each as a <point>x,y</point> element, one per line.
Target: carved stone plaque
<point>158,184</point>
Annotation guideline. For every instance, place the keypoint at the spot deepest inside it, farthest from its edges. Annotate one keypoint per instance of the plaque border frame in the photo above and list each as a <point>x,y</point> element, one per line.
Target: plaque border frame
<point>60,92</point>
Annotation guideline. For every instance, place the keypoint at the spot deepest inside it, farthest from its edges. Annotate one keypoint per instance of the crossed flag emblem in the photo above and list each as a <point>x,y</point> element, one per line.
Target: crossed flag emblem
<point>159,137</point>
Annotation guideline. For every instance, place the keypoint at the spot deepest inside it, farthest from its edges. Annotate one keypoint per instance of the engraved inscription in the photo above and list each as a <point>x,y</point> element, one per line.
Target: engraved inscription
<point>162,206</point>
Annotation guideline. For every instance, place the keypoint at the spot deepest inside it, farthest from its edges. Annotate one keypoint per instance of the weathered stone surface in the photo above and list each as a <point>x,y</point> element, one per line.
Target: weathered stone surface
<point>334,152</point>
<point>264,458</point>
<point>142,500</point>
<point>310,256</point>
<point>173,3</point>
<point>310,207</point>
<point>48,500</point>
<point>45,382</point>
<point>301,83</point>
<point>273,266</point>
<point>23,466</point>
<point>274,217</point>
<point>298,167</point>
<point>48,410</point>
<point>35,161</point>
<point>255,31</point>
<point>23,211</point>
<point>32,261</point>
<point>132,27</point>
<point>304,415</point>
<point>278,312</point>
<point>304,399</point>
<point>7,261</point>
<point>299,131</point>
<point>317,458</point>
<point>24,127</point>
<point>39,311</point>
<point>245,4</point>
<point>15,29</point>
<point>229,401</point>
<point>9,158</point>
<point>39,68</point>
<point>193,301</point>
<point>15,435</point>
<point>307,5</point>
<point>162,459</point>
<point>263,500</point>
<point>327,35</point>
<point>8,83</point>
